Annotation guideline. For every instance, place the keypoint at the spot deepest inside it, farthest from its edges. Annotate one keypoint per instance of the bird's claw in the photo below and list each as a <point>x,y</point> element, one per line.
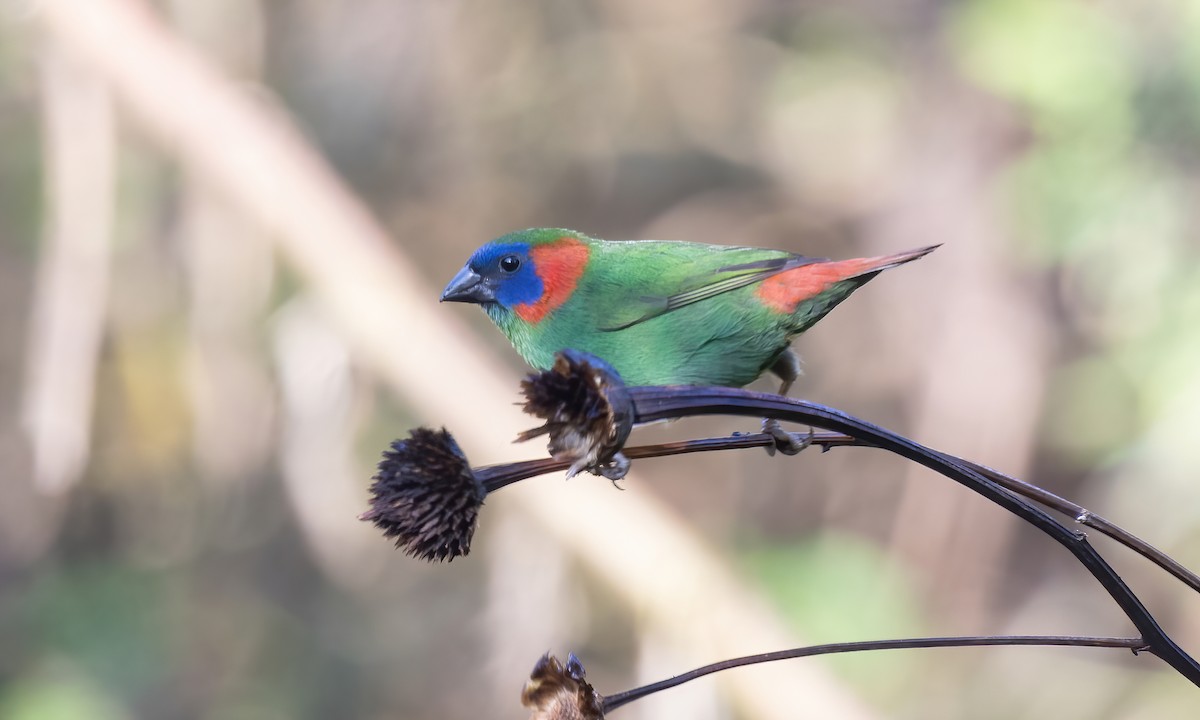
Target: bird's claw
<point>785,442</point>
<point>615,469</point>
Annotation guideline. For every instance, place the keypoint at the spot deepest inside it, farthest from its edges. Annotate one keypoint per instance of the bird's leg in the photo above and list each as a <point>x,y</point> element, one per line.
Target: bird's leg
<point>787,367</point>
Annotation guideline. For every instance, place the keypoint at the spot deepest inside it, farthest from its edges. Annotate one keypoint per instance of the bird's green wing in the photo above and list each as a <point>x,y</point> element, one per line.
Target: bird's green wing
<point>675,275</point>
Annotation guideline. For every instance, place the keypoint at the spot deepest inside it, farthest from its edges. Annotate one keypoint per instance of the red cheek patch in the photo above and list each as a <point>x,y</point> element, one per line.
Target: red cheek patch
<point>784,292</point>
<point>559,265</point>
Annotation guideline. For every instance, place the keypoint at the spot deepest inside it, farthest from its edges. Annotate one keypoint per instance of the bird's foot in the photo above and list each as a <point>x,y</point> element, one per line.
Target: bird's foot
<point>615,469</point>
<point>785,442</point>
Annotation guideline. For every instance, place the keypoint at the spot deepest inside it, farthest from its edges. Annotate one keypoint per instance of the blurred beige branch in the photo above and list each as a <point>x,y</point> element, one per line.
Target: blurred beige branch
<point>255,157</point>
<point>230,269</point>
<point>71,294</point>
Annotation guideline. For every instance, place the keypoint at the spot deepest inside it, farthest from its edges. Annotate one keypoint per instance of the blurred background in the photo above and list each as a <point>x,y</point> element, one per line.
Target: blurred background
<point>224,225</point>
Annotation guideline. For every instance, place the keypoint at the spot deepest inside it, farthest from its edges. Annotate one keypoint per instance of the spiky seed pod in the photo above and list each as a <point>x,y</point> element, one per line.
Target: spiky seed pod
<point>426,497</point>
<point>587,410</point>
<point>560,692</point>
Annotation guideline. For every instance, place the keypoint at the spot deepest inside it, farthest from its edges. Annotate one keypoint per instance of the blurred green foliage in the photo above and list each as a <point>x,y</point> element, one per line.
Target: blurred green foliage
<point>839,588</point>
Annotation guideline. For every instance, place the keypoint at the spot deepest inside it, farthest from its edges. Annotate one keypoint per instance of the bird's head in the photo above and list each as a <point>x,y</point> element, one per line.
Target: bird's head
<point>528,273</point>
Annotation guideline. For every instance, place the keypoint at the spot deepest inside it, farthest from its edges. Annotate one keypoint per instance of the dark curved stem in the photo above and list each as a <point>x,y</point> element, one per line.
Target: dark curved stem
<point>1086,517</point>
<point>663,403</point>
<point>612,702</point>
<point>495,477</point>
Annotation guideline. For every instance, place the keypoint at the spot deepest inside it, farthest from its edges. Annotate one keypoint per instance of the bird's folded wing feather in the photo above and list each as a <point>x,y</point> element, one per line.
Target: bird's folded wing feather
<point>688,280</point>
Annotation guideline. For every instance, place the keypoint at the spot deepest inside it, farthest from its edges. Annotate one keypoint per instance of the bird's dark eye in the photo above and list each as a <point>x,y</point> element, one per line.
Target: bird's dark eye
<point>510,263</point>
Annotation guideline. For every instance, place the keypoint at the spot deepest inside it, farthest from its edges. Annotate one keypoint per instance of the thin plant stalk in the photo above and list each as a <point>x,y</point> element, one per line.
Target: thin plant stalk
<point>612,702</point>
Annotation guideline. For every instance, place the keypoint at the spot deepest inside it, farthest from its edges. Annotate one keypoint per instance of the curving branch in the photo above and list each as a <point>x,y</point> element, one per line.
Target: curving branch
<point>586,407</point>
<point>495,477</point>
<point>658,403</point>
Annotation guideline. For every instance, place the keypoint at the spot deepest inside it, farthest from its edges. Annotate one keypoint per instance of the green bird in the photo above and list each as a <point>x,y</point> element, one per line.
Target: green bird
<point>661,313</point>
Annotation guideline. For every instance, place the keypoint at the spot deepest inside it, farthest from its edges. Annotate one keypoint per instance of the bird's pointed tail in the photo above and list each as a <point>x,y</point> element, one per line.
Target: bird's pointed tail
<point>838,270</point>
<point>786,291</point>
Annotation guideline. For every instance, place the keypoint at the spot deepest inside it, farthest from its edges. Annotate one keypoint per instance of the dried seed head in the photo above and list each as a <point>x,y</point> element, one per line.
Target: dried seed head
<point>426,497</point>
<point>587,410</point>
<point>560,692</point>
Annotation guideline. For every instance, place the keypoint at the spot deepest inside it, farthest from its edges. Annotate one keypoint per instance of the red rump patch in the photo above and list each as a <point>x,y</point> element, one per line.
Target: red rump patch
<point>559,265</point>
<point>784,292</point>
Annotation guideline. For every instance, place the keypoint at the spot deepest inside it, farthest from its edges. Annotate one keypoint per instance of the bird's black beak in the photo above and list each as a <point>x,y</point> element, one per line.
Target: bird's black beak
<point>467,286</point>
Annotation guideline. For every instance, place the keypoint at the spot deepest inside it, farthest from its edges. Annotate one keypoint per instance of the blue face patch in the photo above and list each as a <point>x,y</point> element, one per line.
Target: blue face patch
<point>507,268</point>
